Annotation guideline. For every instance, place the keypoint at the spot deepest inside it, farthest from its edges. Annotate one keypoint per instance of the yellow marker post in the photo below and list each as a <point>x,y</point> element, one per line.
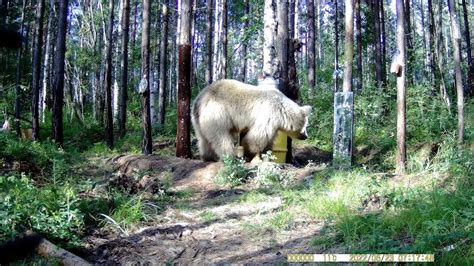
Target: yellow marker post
<point>279,147</point>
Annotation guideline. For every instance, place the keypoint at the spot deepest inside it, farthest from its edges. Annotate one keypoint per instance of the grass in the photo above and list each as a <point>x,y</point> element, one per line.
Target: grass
<point>430,210</point>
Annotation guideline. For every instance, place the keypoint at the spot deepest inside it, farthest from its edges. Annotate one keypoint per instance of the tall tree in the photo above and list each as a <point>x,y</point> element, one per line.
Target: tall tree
<point>378,48</point>
<point>439,55</point>
<point>245,40</point>
<point>336,46</point>
<point>58,88</point>
<point>456,40</point>
<point>163,64</point>
<point>431,40</point>
<point>18,75</point>
<point>401,106</point>
<point>282,54</point>
<point>424,37</point>
<point>209,42</point>
<point>145,85</point>
<point>383,42</point>
<point>359,45</point>
<point>470,63</point>
<point>269,28</point>
<point>47,65</point>
<point>37,67</point>
<point>348,45</point>
<point>122,116</point>
<point>108,78</point>
<point>409,41</point>
<point>183,141</point>
<point>311,46</point>
<point>282,44</point>
<point>220,39</point>
<point>224,38</point>
<point>294,46</point>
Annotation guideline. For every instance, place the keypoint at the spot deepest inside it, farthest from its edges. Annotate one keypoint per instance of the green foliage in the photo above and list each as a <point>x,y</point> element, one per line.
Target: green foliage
<point>233,173</point>
<point>39,156</point>
<point>429,216</point>
<point>51,210</point>
<point>268,174</point>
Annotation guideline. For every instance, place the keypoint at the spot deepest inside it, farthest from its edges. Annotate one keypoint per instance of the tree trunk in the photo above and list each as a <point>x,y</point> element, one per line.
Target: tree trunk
<point>431,41</point>
<point>294,46</point>
<point>378,50</point>
<point>311,47</point>
<point>183,142</point>
<point>245,41</point>
<point>336,47</point>
<point>348,46</point>
<point>18,76</point>
<point>37,68</point>
<point>282,45</point>
<point>47,66</point>
<point>122,116</point>
<point>135,24</point>
<point>209,42</point>
<point>456,40</point>
<point>401,106</point>
<point>439,56</point>
<point>145,85</point>
<point>58,88</point>
<point>383,43</point>
<point>108,78</point>
<point>320,24</point>
<point>359,46</point>
<point>292,88</point>
<point>282,54</point>
<point>224,38</point>
<point>163,64</point>
<point>470,63</point>
<point>217,31</point>
<point>424,37</point>
<point>269,22</point>
<point>409,41</point>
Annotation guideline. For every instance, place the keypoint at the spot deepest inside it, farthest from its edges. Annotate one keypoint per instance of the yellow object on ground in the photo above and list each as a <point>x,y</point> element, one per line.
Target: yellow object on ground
<point>279,147</point>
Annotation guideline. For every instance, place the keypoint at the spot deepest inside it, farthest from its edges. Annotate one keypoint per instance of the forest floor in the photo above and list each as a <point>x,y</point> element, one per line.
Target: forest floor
<point>119,207</point>
<point>208,223</point>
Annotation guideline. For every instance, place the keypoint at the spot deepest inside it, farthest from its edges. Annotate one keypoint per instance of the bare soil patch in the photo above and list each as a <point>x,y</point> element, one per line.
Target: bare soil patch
<point>216,227</point>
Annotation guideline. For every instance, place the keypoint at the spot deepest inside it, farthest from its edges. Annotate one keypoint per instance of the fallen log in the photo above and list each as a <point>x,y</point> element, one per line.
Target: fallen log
<point>51,251</point>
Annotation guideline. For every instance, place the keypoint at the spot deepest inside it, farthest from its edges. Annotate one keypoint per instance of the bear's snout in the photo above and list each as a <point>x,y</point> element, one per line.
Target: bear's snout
<point>303,136</point>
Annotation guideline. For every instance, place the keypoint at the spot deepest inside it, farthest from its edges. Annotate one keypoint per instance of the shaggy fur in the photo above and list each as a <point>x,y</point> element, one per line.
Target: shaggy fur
<point>228,110</point>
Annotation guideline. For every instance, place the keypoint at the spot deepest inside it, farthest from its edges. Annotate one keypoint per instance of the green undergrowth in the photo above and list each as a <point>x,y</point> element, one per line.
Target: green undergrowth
<point>428,210</point>
<point>49,190</point>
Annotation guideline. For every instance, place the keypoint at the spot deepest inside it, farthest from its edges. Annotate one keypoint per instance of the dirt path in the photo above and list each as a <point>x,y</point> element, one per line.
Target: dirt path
<point>215,227</point>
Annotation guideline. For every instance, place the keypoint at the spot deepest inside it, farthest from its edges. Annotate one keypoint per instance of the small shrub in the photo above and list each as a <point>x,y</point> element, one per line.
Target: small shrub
<point>268,174</point>
<point>233,173</point>
<point>52,211</point>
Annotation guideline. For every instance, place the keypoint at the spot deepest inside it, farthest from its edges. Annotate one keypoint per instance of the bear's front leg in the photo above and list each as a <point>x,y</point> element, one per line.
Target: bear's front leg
<point>255,142</point>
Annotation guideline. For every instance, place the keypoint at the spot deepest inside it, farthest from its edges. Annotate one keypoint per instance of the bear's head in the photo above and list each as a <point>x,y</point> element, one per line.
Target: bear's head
<point>298,127</point>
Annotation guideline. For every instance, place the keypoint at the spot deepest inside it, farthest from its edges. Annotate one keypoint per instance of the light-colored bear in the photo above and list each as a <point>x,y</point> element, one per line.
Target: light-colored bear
<point>229,111</point>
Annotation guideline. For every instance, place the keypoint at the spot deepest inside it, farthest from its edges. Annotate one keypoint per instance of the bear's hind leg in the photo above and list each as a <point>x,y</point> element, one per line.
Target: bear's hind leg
<point>224,145</point>
<point>206,151</point>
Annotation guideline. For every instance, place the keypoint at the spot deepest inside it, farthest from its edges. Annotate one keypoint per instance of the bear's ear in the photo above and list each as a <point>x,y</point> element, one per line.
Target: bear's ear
<point>306,110</point>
